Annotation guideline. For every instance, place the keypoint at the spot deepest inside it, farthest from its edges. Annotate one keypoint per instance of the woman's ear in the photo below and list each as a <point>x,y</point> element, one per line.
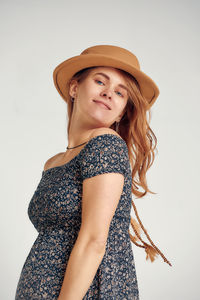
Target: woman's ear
<point>73,88</point>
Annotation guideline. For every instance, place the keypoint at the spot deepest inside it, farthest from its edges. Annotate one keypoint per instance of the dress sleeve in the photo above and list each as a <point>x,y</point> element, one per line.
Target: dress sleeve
<point>105,153</point>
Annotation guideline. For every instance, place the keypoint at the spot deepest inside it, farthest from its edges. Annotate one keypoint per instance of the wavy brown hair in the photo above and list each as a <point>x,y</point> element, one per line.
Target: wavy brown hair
<point>141,142</point>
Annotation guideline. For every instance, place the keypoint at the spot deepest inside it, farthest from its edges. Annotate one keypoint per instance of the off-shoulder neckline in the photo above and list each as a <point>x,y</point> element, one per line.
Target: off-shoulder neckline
<point>76,156</point>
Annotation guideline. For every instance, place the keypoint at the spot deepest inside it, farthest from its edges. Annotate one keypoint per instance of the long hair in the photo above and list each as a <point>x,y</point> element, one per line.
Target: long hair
<point>141,142</point>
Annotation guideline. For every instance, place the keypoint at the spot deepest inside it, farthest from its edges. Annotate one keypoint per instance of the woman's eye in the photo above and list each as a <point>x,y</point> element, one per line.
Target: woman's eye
<point>99,81</point>
<point>120,94</point>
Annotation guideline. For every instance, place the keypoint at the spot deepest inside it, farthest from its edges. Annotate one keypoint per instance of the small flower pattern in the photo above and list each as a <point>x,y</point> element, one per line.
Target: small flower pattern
<point>55,212</point>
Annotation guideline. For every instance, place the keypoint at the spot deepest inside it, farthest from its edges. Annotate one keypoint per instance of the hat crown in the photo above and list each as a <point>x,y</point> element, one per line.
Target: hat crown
<point>114,52</point>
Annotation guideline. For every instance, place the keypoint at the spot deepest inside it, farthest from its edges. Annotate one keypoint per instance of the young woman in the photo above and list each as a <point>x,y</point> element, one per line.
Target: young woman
<point>81,207</point>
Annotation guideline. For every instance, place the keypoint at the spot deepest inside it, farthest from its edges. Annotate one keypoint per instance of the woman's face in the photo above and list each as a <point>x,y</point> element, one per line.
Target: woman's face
<point>103,84</point>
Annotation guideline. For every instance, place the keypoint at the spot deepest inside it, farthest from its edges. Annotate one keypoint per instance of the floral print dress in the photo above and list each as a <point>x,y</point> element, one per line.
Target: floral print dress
<point>55,211</point>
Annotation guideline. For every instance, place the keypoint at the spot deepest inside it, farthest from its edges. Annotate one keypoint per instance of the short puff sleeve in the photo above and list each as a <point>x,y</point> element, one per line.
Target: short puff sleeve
<point>105,153</point>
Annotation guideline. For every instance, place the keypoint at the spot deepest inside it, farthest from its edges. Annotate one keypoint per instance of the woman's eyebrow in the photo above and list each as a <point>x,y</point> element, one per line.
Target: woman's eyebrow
<point>107,77</point>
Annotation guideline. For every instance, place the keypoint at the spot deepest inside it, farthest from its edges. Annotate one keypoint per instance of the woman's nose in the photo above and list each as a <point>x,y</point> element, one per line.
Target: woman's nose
<point>106,93</point>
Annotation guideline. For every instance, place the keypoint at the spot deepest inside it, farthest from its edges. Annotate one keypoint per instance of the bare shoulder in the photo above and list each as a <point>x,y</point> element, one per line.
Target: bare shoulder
<point>51,159</point>
<point>103,130</point>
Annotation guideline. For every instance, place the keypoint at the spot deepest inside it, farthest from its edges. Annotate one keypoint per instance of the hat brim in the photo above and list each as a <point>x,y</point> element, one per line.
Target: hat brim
<point>64,72</point>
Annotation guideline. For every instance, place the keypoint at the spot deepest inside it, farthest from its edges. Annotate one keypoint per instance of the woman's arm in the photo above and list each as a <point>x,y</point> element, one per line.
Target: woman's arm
<point>100,197</point>
<point>82,266</point>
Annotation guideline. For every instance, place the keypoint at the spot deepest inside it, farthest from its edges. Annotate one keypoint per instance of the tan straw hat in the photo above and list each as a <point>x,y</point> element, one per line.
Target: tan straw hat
<point>108,56</point>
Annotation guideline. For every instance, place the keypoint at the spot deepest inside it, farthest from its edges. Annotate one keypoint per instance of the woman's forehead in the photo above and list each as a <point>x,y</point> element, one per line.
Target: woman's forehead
<point>108,71</point>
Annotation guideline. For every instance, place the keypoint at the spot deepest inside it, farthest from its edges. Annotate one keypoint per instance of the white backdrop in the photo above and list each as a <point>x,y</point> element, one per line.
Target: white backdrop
<point>38,35</point>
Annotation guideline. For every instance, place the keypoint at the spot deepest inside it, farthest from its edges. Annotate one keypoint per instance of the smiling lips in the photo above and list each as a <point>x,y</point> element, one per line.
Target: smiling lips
<point>103,104</point>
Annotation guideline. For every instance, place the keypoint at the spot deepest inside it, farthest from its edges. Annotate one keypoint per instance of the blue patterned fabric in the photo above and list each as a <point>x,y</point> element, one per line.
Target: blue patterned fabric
<point>55,211</point>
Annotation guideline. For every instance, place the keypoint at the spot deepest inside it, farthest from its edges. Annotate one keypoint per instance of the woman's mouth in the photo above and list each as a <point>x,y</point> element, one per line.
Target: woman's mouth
<point>102,104</point>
